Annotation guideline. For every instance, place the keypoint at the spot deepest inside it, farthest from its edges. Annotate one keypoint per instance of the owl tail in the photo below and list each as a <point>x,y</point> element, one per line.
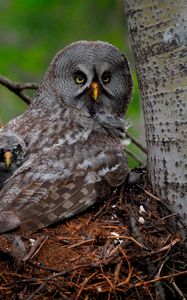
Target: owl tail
<point>8,221</point>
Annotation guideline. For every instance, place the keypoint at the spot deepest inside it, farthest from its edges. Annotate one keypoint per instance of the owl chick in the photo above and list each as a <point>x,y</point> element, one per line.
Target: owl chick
<point>12,153</point>
<point>72,131</point>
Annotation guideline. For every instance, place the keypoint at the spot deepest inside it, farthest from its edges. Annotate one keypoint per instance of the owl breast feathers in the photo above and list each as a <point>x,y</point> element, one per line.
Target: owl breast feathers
<point>72,133</point>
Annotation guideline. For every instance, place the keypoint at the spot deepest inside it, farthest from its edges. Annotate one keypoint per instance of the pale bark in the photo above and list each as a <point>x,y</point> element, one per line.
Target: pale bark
<point>158,35</point>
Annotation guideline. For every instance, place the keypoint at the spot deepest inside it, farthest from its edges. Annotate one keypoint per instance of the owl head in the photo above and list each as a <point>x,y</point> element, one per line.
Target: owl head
<point>92,76</point>
<point>12,150</point>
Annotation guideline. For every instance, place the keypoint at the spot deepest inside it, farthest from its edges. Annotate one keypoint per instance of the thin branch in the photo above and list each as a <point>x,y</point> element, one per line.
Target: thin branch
<point>135,157</point>
<point>80,243</point>
<point>178,291</point>
<point>136,142</point>
<point>83,285</point>
<point>36,247</point>
<point>160,278</point>
<point>128,238</point>
<point>152,196</point>
<point>59,275</point>
<point>18,87</point>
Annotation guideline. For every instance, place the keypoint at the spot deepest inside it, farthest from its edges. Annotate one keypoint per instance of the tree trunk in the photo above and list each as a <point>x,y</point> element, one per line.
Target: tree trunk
<point>158,35</point>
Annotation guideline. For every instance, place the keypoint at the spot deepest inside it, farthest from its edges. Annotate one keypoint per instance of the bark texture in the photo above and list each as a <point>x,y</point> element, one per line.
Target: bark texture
<point>158,34</point>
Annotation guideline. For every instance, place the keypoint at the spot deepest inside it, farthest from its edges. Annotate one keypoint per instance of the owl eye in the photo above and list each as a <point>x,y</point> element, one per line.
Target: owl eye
<point>17,149</point>
<point>106,77</point>
<point>80,78</point>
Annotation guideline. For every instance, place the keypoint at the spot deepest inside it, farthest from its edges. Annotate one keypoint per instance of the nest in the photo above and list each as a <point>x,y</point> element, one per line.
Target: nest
<point>128,247</point>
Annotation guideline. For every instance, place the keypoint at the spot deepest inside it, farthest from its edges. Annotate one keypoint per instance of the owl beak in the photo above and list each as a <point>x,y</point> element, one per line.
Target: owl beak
<point>95,90</point>
<point>8,158</point>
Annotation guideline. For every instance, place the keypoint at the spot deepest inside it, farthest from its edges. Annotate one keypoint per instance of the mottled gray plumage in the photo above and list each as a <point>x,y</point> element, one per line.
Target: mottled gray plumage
<point>72,131</point>
<point>10,141</point>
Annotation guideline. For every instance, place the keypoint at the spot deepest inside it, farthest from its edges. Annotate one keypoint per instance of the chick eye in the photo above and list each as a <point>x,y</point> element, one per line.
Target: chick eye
<point>16,149</point>
<point>80,78</point>
<point>106,77</point>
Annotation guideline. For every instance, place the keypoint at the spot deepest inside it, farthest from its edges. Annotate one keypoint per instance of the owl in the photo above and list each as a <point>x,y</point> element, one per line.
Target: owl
<point>12,152</point>
<point>72,131</point>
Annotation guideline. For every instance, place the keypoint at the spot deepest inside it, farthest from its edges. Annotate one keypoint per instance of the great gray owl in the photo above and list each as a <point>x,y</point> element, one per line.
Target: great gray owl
<point>12,152</point>
<point>72,132</point>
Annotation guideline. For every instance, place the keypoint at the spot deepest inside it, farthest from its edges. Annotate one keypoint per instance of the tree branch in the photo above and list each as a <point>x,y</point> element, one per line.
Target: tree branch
<point>17,88</point>
<point>134,156</point>
<point>136,142</point>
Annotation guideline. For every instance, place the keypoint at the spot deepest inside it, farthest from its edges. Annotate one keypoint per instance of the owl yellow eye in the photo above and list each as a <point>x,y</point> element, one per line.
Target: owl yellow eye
<point>80,78</point>
<point>106,77</point>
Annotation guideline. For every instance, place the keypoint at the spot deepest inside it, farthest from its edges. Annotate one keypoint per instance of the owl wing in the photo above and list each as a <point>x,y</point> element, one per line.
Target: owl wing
<point>47,189</point>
